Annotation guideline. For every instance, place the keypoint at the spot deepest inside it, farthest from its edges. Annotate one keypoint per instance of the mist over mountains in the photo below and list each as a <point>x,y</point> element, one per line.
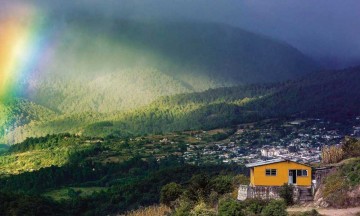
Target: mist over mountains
<point>323,29</point>
<point>103,67</point>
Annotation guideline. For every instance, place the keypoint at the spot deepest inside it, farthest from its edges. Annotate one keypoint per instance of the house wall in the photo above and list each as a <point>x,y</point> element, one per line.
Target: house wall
<point>252,179</point>
<point>260,179</point>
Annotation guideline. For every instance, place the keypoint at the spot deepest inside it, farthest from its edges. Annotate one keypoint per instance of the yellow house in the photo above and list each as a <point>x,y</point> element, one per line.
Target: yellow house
<point>279,171</point>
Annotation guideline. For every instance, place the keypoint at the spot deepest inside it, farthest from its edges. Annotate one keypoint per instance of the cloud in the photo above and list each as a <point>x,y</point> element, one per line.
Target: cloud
<point>326,30</point>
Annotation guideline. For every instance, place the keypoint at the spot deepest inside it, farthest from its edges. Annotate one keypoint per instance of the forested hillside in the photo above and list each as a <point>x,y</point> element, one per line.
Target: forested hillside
<point>17,112</point>
<point>118,65</point>
<point>329,94</point>
<point>71,175</point>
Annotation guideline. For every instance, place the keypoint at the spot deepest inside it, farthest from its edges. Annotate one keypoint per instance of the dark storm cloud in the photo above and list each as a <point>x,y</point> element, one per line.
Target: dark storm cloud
<point>327,30</point>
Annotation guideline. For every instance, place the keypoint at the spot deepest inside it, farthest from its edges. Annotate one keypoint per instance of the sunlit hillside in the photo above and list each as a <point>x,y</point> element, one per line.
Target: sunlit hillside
<point>111,66</point>
<point>313,96</point>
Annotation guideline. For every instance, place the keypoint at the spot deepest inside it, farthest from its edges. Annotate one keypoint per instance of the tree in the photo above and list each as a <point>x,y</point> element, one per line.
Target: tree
<point>275,208</point>
<point>351,147</point>
<point>222,184</point>
<point>170,193</point>
<point>240,180</point>
<point>199,187</point>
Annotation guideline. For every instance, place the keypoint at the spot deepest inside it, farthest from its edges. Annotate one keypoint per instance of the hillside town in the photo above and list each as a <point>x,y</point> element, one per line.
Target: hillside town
<point>301,140</point>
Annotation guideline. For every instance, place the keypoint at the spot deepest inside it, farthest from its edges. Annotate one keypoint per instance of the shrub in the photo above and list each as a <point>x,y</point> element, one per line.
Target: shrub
<point>230,207</point>
<point>310,213</point>
<point>335,187</point>
<point>149,211</point>
<point>213,199</point>
<point>332,154</point>
<point>170,193</point>
<point>275,208</point>
<point>255,206</point>
<point>183,208</point>
<point>286,192</point>
<point>338,184</point>
<point>202,210</point>
<point>351,147</point>
<point>240,180</point>
<point>352,172</point>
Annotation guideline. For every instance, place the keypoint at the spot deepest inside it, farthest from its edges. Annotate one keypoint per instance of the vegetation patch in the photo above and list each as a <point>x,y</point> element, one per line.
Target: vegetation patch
<point>150,211</point>
<point>73,192</point>
<point>337,185</point>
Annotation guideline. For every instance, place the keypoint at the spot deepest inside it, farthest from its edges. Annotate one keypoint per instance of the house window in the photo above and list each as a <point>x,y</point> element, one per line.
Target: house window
<point>301,173</point>
<point>270,172</point>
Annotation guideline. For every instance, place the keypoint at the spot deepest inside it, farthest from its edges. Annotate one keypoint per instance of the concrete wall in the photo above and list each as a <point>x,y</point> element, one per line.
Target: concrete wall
<point>243,192</point>
<point>262,192</point>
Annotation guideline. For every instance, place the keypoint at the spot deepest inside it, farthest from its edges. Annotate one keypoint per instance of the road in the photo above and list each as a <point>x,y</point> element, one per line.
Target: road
<point>329,211</point>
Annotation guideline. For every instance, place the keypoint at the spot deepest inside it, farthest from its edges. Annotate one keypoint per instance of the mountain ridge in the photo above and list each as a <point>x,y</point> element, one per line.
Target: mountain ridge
<point>121,65</point>
<point>335,96</point>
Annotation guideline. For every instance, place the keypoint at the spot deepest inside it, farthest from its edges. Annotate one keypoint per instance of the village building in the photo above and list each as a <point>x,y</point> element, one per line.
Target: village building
<point>267,177</point>
<point>278,172</point>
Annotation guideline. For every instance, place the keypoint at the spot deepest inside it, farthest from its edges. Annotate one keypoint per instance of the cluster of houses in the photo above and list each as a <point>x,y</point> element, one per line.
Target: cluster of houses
<point>301,140</point>
<point>302,154</point>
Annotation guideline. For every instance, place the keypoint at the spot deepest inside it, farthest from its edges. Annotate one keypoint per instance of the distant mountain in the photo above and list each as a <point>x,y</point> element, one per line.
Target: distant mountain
<point>330,94</point>
<point>102,66</point>
<point>327,94</point>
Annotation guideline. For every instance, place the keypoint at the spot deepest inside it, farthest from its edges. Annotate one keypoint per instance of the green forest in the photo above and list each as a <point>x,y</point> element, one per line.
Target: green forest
<point>66,174</point>
<point>77,168</point>
<point>322,94</point>
<point>159,109</point>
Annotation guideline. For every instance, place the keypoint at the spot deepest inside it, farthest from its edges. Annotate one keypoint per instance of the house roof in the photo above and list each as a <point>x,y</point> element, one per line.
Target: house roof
<point>278,160</point>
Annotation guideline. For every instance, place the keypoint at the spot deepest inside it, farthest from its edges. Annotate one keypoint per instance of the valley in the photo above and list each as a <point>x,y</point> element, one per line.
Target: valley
<point>67,168</point>
<point>299,139</point>
<point>177,108</point>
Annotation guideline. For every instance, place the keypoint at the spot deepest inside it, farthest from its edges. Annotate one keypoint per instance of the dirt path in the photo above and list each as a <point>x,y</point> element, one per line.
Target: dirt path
<point>329,211</point>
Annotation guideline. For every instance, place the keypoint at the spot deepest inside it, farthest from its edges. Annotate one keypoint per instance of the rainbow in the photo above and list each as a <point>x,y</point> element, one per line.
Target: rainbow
<point>24,43</point>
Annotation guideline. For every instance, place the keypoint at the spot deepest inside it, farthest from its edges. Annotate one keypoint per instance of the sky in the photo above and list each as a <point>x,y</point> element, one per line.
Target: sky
<point>326,30</point>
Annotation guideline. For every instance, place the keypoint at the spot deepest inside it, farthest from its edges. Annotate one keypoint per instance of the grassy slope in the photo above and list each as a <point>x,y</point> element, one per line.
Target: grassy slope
<point>63,193</point>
